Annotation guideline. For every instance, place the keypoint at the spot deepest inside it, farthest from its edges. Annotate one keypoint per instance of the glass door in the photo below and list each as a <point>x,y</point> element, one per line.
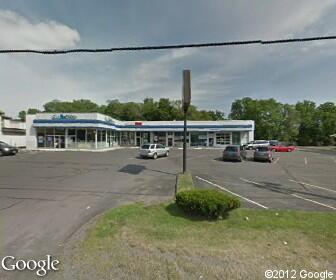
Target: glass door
<point>50,141</point>
<point>59,142</point>
<point>236,138</point>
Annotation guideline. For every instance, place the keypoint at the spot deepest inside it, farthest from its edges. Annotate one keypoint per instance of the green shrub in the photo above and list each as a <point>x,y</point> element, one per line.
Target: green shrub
<point>208,203</point>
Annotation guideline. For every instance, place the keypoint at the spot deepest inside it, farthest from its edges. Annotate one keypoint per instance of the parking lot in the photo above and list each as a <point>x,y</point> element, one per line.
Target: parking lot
<point>46,196</point>
<point>299,180</point>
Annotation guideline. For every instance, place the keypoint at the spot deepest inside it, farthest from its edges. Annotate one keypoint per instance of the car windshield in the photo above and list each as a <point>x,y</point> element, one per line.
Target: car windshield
<point>263,149</point>
<point>145,147</point>
<point>231,149</point>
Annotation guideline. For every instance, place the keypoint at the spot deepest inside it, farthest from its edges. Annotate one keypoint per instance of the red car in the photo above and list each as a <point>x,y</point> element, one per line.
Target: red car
<point>283,148</point>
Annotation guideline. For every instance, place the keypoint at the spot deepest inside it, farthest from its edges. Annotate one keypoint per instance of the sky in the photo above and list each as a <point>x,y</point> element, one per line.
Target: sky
<point>288,73</point>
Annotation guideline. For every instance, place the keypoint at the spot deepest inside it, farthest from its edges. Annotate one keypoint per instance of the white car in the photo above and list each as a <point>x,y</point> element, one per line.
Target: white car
<point>153,151</point>
<point>257,143</point>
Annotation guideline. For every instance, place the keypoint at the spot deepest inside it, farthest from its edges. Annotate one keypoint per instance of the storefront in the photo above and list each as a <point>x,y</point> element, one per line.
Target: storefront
<point>94,131</point>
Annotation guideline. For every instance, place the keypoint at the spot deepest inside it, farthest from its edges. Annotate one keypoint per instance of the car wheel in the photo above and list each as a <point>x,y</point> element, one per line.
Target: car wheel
<point>1,153</point>
<point>155,156</point>
<point>167,153</point>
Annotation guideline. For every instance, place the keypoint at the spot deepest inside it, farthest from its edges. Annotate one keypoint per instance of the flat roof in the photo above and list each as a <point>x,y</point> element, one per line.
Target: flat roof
<point>97,120</point>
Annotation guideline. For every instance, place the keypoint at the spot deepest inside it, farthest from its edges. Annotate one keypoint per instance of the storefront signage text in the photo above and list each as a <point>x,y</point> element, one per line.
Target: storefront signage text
<point>64,117</point>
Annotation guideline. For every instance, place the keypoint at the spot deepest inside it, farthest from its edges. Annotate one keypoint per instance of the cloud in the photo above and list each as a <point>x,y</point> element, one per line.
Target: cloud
<point>219,75</point>
<point>19,32</point>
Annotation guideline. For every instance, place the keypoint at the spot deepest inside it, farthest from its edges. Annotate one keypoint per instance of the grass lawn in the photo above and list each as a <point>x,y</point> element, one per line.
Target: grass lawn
<point>160,242</point>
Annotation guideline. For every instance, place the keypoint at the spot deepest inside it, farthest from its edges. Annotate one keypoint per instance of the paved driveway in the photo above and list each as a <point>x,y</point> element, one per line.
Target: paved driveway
<point>45,197</point>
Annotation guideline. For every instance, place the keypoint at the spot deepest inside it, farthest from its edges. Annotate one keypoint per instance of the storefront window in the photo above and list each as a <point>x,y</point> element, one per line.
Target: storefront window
<point>198,138</point>
<point>50,132</point>
<point>236,138</point>
<point>160,137</point>
<point>145,137</point>
<point>223,138</point>
<point>59,131</point>
<point>71,139</point>
<point>178,139</point>
<point>41,139</point>
<point>101,139</point>
<point>90,138</point>
<point>127,138</point>
<point>81,139</point>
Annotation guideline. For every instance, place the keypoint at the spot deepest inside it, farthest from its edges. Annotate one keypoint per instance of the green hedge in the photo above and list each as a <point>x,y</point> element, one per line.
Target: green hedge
<point>208,203</point>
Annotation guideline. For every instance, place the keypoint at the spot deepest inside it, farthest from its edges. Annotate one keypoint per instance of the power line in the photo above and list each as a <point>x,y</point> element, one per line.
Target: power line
<point>165,47</point>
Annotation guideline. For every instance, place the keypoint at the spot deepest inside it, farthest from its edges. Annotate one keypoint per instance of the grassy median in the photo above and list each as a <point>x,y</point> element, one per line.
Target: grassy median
<point>161,242</point>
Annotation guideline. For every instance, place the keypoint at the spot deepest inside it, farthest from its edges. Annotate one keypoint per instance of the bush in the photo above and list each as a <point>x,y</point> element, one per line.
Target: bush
<point>208,203</point>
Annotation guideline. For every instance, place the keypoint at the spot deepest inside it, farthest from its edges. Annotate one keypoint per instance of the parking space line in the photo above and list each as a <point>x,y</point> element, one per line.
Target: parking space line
<point>277,159</point>
<point>310,185</point>
<point>313,201</point>
<point>305,160</point>
<point>292,194</point>
<point>249,181</point>
<point>224,189</point>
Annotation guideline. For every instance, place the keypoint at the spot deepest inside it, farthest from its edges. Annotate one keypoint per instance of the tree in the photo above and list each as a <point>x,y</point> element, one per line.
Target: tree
<point>131,111</point>
<point>75,106</point>
<point>290,124</point>
<point>114,109</point>
<point>267,114</point>
<point>309,128</point>
<point>165,110</point>
<point>217,115</point>
<point>150,109</point>
<point>30,111</point>
<point>326,114</point>
<point>22,116</point>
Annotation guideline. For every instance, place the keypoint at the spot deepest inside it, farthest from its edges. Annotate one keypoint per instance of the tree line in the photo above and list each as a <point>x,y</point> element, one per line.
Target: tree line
<point>303,123</point>
<point>151,110</point>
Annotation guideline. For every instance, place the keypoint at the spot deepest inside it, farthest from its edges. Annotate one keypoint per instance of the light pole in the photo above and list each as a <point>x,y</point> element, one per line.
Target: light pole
<point>186,98</point>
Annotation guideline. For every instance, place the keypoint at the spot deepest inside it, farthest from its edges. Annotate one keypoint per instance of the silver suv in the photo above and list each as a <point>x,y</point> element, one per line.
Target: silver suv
<point>153,151</point>
<point>257,143</point>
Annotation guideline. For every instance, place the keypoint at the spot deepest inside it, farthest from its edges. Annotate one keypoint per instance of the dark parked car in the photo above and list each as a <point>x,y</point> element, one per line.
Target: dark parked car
<point>274,142</point>
<point>263,154</point>
<point>232,153</point>
<point>6,149</point>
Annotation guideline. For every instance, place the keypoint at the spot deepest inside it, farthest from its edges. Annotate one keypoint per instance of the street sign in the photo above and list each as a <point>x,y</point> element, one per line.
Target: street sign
<point>186,98</point>
<point>186,92</point>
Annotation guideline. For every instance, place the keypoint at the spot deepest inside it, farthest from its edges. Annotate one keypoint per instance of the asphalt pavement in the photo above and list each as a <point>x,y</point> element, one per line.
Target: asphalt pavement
<point>45,197</point>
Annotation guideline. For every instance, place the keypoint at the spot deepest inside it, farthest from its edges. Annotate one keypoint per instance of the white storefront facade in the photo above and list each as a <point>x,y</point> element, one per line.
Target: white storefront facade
<point>95,131</point>
<point>12,131</point>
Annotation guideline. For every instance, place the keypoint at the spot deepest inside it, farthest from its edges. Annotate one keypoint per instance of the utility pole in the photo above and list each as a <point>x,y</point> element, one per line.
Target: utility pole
<point>186,98</point>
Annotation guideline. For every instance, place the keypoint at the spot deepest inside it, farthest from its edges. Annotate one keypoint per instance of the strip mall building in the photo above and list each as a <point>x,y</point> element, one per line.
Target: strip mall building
<point>94,131</point>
